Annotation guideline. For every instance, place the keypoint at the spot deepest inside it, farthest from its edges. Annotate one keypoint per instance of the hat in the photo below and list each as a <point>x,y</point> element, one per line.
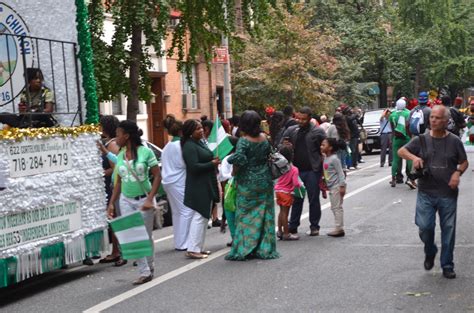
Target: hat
<point>423,97</point>
<point>400,104</point>
<point>458,100</point>
<point>344,107</point>
<point>269,110</point>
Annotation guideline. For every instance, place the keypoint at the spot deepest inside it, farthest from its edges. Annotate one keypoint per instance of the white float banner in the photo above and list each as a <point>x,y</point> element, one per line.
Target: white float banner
<point>31,157</point>
<point>23,227</point>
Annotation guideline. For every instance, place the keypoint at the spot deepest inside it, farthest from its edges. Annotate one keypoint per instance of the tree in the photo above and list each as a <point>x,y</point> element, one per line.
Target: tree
<point>288,63</point>
<point>140,24</point>
<point>443,23</point>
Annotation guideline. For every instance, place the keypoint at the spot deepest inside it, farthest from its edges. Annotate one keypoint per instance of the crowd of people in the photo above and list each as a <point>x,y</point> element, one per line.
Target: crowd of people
<point>319,151</point>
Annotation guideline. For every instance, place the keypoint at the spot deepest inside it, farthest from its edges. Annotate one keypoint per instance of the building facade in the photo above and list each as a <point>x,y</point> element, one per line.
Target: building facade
<point>170,91</point>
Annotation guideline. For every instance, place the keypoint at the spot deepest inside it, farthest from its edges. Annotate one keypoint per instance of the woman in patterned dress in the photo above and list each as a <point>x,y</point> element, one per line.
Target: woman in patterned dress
<point>255,207</point>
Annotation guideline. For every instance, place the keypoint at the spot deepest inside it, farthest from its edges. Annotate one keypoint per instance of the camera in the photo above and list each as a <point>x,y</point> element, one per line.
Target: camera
<point>420,173</point>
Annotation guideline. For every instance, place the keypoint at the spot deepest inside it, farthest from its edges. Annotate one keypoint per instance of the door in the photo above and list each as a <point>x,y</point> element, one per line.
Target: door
<point>156,113</point>
<point>220,100</point>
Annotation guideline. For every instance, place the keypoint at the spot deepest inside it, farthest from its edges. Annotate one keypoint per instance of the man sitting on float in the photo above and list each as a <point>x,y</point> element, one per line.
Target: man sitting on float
<point>41,101</point>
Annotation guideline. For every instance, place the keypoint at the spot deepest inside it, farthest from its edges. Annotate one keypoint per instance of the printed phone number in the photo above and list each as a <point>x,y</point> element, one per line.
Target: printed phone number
<point>57,160</point>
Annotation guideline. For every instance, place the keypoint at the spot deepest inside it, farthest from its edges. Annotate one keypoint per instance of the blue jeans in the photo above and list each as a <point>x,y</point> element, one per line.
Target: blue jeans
<point>425,219</point>
<point>311,182</point>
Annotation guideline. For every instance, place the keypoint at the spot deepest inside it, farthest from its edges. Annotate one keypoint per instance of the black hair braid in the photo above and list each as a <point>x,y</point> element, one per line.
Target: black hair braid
<point>189,127</point>
<point>131,128</point>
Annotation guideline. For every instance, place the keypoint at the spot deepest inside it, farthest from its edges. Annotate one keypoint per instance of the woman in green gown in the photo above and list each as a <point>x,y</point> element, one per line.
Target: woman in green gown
<point>255,206</point>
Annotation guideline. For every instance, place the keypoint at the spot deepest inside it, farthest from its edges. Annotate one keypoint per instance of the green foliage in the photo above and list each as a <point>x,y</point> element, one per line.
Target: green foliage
<point>288,63</point>
<point>202,23</point>
<point>101,51</point>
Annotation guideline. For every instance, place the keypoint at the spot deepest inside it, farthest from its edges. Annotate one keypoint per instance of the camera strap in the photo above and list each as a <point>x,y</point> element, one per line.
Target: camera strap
<point>424,150</point>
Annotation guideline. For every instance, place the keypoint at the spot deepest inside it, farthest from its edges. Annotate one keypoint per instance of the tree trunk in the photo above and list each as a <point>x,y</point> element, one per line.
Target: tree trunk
<point>134,74</point>
<point>383,94</point>
<point>417,79</point>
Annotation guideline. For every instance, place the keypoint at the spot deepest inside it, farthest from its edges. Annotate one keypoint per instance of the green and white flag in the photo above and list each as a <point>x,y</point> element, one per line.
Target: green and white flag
<point>132,236</point>
<point>301,191</point>
<point>218,141</point>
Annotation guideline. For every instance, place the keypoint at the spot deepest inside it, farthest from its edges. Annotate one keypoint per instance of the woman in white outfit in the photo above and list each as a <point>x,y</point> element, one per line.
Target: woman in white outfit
<point>173,175</point>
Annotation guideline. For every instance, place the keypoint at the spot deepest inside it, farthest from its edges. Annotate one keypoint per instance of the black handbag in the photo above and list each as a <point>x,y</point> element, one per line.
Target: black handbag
<point>278,164</point>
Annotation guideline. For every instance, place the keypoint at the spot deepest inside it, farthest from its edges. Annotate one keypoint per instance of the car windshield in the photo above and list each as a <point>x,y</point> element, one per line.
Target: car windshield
<point>155,149</point>
<point>372,117</point>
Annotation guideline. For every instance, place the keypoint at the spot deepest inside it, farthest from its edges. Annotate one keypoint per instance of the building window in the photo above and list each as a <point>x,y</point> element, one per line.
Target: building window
<point>117,105</point>
<point>188,95</point>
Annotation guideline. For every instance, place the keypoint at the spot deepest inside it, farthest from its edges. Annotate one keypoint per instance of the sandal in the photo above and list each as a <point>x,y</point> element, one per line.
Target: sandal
<point>279,235</point>
<point>109,259</point>
<point>206,252</point>
<point>196,256</point>
<point>120,262</point>
<point>290,237</point>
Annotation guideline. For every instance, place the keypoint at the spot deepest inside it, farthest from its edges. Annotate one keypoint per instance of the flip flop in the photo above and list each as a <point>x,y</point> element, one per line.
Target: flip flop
<point>196,256</point>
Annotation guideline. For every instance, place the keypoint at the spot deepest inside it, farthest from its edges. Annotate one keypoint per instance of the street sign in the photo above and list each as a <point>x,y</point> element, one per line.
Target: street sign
<point>221,55</point>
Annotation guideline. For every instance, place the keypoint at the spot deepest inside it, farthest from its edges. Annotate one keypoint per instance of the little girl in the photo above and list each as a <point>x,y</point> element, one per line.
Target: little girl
<point>284,189</point>
<point>336,183</point>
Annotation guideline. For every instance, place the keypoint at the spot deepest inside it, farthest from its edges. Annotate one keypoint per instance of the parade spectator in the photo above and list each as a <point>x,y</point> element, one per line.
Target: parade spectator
<point>255,207</point>
<point>336,183</point>
<point>207,128</point>
<point>134,164</point>
<point>289,113</point>
<point>225,123</point>
<point>441,159</point>
<point>276,128</point>
<point>458,103</point>
<point>173,173</point>
<point>362,133</point>
<point>470,123</point>
<point>284,189</point>
<point>456,121</point>
<point>340,131</point>
<point>324,123</point>
<point>412,104</point>
<point>401,136</point>
<point>353,125</point>
<point>109,124</point>
<point>234,122</point>
<point>306,139</point>
<point>201,185</point>
<point>225,174</point>
<point>420,115</point>
<point>385,138</point>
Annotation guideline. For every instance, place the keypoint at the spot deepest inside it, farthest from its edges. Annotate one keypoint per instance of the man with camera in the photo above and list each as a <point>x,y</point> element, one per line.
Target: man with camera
<point>439,159</point>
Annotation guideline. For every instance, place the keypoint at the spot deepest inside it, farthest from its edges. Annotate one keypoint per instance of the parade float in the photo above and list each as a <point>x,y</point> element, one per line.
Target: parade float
<point>52,197</point>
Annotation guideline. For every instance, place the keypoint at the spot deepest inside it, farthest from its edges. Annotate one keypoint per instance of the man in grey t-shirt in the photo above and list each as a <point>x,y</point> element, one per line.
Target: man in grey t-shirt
<point>444,159</point>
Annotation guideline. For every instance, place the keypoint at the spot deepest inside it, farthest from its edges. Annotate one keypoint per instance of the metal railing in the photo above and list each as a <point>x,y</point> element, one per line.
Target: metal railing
<point>58,63</point>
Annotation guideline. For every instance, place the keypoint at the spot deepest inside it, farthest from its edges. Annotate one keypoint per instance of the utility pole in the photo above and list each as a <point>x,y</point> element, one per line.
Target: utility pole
<point>227,87</point>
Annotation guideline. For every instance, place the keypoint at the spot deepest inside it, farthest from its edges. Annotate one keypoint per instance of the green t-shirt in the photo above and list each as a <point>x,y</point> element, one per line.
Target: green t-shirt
<point>146,159</point>
<point>399,120</point>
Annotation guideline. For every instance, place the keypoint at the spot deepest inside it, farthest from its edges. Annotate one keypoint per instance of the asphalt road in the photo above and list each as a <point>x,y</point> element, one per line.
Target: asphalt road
<point>377,267</point>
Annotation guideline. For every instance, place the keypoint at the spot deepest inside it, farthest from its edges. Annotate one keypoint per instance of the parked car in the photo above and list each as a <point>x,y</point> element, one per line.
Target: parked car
<point>161,200</point>
<point>372,127</point>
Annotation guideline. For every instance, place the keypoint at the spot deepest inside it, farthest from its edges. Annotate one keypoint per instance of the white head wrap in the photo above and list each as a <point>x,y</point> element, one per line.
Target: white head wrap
<point>401,104</point>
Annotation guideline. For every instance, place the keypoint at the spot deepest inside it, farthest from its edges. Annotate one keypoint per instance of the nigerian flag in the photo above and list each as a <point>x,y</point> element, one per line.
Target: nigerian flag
<point>218,141</point>
<point>132,236</point>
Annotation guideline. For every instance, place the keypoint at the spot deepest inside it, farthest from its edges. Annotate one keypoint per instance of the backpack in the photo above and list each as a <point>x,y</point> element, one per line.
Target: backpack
<point>416,119</point>
<point>456,121</point>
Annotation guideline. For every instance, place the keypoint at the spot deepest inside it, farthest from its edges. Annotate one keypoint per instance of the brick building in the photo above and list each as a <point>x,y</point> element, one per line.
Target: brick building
<point>171,93</point>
